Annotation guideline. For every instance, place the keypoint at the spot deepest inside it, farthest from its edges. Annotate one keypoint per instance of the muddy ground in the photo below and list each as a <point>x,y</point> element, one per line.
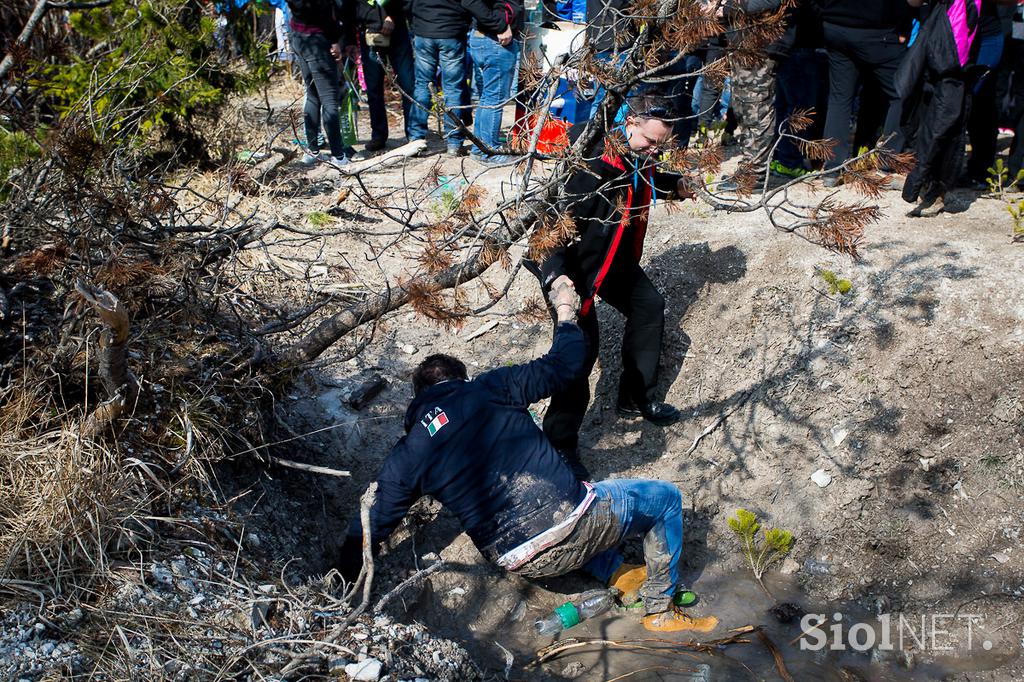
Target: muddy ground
<point>908,392</point>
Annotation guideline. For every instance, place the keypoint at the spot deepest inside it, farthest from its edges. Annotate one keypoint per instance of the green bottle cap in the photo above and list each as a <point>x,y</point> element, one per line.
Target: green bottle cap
<point>569,615</point>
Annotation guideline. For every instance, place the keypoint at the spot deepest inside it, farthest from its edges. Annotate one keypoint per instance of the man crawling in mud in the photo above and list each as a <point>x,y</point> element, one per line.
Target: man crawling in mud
<point>473,445</point>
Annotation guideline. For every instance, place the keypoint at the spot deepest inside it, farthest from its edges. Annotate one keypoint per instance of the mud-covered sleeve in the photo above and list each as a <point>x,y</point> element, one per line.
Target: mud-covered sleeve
<point>397,489</point>
<point>523,385</point>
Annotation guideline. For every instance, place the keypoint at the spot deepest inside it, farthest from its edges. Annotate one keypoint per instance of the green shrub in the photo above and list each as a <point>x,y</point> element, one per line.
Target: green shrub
<point>16,148</point>
<point>154,67</point>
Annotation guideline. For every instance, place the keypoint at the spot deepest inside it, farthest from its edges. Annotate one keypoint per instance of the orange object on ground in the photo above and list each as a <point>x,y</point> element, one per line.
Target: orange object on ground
<point>677,621</point>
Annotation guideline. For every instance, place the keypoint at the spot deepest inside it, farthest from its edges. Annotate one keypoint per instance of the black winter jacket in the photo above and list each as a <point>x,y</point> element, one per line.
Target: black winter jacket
<point>473,446</point>
<point>803,23</point>
<point>878,14</point>
<point>492,17</point>
<point>608,21</point>
<point>610,211</point>
<point>437,18</point>
<point>369,16</point>
<point>320,15</point>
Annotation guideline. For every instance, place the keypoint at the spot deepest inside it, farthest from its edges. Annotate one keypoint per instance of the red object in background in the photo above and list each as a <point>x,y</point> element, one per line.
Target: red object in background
<point>554,135</point>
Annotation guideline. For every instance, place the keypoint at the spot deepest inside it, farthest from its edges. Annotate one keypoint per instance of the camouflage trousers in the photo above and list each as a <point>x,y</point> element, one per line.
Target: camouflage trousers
<point>753,103</point>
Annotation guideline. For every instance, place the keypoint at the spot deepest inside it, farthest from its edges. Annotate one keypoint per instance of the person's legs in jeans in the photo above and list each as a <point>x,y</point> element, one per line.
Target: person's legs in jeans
<point>797,89</point>
<point>400,56</point>
<point>496,65</point>
<point>842,85</point>
<point>373,73</point>
<point>320,73</point>
<point>452,57</point>
<point>652,509</point>
<point>426,51</point>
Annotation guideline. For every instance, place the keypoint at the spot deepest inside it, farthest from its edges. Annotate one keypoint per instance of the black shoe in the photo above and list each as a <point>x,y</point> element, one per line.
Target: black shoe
<point>728,184</point>
<point>830,181</point>
<point>661,414</point>
<point>375,145</point>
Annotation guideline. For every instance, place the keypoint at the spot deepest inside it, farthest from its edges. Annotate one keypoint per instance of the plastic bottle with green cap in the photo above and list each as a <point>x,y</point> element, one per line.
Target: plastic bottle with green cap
<point>588,605</point>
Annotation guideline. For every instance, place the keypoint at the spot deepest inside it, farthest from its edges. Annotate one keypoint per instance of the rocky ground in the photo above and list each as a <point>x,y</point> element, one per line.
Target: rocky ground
<point>884,427</point>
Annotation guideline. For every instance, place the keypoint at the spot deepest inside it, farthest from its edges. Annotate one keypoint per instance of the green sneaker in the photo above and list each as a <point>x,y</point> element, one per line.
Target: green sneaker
<point>685,598</point>
<point>777,167</point>
<point>681,598</point>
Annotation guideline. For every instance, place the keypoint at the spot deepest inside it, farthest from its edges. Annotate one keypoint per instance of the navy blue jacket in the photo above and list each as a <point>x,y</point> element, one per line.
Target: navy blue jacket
<point>486,460</point>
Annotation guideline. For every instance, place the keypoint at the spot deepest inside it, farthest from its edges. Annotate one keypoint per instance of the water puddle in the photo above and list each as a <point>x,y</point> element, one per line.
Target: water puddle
<point>857,645</point>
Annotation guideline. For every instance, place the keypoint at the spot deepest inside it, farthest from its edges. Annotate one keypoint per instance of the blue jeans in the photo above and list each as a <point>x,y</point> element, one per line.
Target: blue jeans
<point>450,54</point>
<point>497,66</point>
<point>653,509</point>
<point>320,73</point>
<point>399,54</point>
<point>623,509</point>
<point>796,88</point>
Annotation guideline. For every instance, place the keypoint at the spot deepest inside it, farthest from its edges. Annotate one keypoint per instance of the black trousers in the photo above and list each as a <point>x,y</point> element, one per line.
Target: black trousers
<point>630,291</point>
<point>869,54</point>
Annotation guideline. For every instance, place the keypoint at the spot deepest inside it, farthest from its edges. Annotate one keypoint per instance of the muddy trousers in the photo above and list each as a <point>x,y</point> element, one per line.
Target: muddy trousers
<point>630,291</point>
<point>623,509</point>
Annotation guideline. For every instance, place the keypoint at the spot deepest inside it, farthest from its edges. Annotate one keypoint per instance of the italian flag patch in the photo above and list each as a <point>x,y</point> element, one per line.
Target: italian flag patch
<point>435,425</point>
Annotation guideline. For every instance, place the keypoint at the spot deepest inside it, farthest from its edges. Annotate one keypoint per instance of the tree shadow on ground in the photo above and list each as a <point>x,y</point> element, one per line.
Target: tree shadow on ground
<point>819,338</point>
<point>680,273</point>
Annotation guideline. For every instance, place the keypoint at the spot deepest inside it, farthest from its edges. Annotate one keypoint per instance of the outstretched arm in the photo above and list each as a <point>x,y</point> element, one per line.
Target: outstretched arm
<point>522,385</point>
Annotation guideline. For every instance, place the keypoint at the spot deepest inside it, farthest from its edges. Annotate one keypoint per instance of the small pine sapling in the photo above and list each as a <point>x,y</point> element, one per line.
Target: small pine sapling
<point>836,285</point>
<point>761,552</point>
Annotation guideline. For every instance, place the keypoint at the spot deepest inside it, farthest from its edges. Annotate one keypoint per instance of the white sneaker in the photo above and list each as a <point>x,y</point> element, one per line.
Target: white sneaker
<point>357,156</point>
<point>308,159</point>
<point>339,161</point>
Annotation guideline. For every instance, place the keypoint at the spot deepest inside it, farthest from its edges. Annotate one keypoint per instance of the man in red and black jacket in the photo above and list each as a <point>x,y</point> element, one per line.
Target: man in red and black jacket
<point>609,203</point>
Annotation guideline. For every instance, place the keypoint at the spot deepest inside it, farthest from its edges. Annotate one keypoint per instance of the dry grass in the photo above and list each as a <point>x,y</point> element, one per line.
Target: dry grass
<point>65,501</point>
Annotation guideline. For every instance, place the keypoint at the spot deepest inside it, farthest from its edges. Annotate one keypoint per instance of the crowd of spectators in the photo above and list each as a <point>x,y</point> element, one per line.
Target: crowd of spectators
<point>924,76</point>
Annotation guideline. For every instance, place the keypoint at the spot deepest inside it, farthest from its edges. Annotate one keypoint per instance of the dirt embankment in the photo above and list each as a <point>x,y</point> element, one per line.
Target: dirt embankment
<point>907,391</point>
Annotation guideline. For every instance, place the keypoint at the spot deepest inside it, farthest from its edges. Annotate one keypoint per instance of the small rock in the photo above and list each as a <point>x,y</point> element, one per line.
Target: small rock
<point>789,566</point>
<point>268,588</point>
<point>179,568</point>
<point>336,666</point>
<point>821,478</point>
<point>816,567</point>
<point>408,349</point>
<point>839,433</point>
<point>161,575</point>
<point>366,391</point>
<point>252,540</point>
<point>574,669</point>
<point>1001,557</point>
<point>364,671</point>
